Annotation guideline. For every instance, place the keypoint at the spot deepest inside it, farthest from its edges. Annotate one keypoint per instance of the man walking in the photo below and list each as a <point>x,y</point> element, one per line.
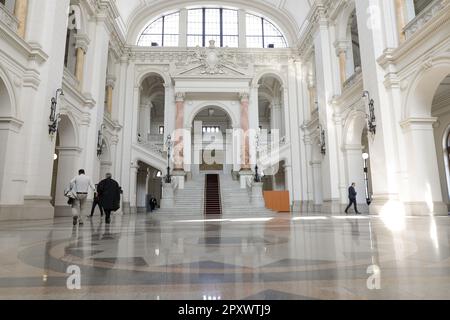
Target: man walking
<point>109,196</point>
<point>80,186</point>
<point>95,204</point>
<point>352,198</point>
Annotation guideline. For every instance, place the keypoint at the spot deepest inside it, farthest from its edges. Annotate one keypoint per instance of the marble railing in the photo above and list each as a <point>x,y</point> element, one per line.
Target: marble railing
<point>354,78</point>
<point>431,11</point>
<point>154,147</point>
<point>8,18</point>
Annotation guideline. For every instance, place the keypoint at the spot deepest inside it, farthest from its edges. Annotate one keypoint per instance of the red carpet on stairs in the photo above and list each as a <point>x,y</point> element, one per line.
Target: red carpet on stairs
<point>213,204</point>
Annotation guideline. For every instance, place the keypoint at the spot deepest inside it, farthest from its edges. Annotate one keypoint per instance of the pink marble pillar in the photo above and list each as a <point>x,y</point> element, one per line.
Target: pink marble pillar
<point>245,146</point>
<point>178,155</point>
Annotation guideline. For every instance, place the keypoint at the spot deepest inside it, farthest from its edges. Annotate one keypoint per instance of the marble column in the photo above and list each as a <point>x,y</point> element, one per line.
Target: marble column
<point>400,12</point>
<point>245,143</point>
<point>21,12</point>
<point>110,83</point>
<point>81,45</point>
<point>134,170</point>
<point>425,193</point>
<point>341,52</point>
<point>178,153</point>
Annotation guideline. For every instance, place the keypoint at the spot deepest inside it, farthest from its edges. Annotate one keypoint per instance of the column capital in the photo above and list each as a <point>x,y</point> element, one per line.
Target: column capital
<point>82,41</point>
<point>180,96</point>
<point>341,46</point>
<point>110,81</point>
<point>244,96</point>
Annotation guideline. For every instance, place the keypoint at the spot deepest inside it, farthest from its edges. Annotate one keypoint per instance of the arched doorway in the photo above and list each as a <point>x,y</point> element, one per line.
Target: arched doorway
<point>356,143</point>
<point>212,141</point>
<point>425,121</point>
<point>441,110</point>
<point>149,184</point>
<point>5,113</point>
<point>66,157</point>
<point>270,107</point>
<point>151,125</point>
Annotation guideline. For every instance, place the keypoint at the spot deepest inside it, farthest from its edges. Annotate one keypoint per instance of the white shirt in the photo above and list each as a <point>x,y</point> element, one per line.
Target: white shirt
<point>82,183</point>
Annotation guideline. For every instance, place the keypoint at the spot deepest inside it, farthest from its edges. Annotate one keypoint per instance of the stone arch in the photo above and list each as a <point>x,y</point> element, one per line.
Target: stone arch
<point>147,72</point>
<point>277,74</point>
<point>151,163</point>
<point>190,119</point>
<point>68,131</point>
<point>7,97</point>
<point>342,21</point>
<point>354,127</point>
<point>420,94</point>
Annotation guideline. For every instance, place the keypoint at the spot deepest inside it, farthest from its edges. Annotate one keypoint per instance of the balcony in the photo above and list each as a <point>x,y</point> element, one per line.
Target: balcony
<point>8,18</point>
<point>435,8</point>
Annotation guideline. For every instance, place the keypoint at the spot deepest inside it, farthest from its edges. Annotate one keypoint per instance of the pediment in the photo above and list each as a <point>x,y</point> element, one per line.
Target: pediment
<point>199,71</point>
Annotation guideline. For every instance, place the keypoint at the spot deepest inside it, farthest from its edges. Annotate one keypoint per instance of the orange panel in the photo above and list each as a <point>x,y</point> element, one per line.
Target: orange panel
<point>277,201</point>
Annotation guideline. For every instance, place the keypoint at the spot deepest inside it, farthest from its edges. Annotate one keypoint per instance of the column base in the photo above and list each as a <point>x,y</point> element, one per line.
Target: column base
<point>244,176</point>
<point>302,206</point>
<point>332,206</point>
<point>179,176</point>
<point>126,209</point>
<point>34,208</point>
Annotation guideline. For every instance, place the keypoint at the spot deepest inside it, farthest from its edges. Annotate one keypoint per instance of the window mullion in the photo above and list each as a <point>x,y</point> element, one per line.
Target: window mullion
<point>162,31</point>
<point>204,28</point>
<point>262,32</point>
<point>221,27</point>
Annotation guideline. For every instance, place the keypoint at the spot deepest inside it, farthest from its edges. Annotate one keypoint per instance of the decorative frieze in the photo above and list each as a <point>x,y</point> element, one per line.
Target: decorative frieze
<point>8,18</point>
<point>430,12</point>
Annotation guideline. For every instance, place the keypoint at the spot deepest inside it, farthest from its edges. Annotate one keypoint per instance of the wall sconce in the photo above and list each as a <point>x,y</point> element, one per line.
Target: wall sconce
<point>54,117</point>
<point>100,144</point>
<point>371,119</point>
<point>322,143</point>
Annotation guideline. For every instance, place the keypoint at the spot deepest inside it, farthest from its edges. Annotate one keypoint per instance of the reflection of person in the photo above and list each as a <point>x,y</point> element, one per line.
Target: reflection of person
<point>352,198</point>
<point>95,203</point>
<point>80,186</point>
<point>109,195</point>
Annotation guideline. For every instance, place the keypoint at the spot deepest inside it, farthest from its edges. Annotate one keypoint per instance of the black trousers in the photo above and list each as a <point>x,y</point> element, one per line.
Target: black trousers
<point>108,215</point>
<point>350,204</point>
<point>94,204</point>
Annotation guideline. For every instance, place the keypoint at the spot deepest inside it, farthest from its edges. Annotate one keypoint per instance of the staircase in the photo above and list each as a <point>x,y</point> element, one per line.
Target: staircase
<point>236,200</point>
<point>188,201</point>
<point>213,205</point>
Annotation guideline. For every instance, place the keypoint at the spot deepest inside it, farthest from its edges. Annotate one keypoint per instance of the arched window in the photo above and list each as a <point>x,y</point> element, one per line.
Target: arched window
<point>206,24</point>
<point>261,33</point>
<point>163,32</point>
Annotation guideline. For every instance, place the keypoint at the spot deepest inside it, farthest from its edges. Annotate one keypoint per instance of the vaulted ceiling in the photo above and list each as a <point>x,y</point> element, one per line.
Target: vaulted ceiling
<point>290,15</point>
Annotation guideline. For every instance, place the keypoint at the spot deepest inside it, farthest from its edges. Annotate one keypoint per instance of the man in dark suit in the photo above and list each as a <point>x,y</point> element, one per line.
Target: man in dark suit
<point>352,198</point>
<point>109,194</point>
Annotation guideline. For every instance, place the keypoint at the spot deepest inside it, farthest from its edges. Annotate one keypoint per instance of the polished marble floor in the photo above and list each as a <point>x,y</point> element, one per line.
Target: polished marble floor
<point>282,256</point>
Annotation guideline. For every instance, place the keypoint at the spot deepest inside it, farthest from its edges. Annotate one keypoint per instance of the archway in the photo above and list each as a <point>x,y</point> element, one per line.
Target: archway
<point>423,127</point>
<point>441,110</point>
<point>105,159</point>
<point>151,126</point>
<point>149,185</point>
<point>5,113</point>
<point>356,143</point>
<point>212,141</point>
<point>65,165</point>
<point>270,107</point>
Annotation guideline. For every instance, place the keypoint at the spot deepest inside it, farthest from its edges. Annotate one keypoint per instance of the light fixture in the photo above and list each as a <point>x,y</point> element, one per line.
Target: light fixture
<point>371,119</point>
<point>365,157</point>
<point>322,142</point>
<point>54,117</point>
<point>169,143</point>
<point>55,157</point>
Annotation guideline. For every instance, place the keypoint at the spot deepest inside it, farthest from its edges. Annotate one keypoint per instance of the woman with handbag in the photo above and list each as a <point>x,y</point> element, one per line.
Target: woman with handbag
<point>109,196</point>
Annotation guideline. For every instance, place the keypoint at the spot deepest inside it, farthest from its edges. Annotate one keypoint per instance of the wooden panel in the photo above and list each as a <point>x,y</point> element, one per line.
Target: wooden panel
<point>277,201</point>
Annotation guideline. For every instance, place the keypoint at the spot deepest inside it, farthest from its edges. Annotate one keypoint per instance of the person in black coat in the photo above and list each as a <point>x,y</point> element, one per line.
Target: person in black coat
<point>352,198</point>
<point>109,195</point>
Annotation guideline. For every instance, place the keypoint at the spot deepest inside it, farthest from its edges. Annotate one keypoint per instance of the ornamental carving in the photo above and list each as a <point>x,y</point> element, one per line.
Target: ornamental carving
<point>213,60</point>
